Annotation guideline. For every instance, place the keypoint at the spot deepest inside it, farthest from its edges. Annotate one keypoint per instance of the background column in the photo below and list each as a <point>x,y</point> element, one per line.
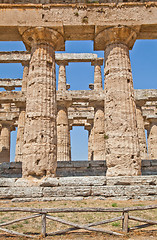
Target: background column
<point>152,137</point>
<point>62,75</point>
<point>97,74</point>
<point>63,153</point>
<point>5,143</point>
<point>141,133</point>
<point>90,142</point>
<point>21,120</point>
<point>99,134</point>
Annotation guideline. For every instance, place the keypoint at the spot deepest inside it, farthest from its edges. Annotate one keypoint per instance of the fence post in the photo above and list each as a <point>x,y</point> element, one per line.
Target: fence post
<point>125,222</point>
<point>43,227</point>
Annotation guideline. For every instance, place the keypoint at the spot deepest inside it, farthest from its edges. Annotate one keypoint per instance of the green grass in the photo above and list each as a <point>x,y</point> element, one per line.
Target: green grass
<point>114,205</point>
<point>116,224</point>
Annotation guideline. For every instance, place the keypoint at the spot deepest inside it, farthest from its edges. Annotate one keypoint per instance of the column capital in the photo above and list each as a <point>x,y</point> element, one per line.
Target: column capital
<point>98,61</point>
<point>45,35</point>
<point>62,62</point>
<point>88,127</point>
<point>152,119</point>
<point>9,125</point>
<point>118,34</point>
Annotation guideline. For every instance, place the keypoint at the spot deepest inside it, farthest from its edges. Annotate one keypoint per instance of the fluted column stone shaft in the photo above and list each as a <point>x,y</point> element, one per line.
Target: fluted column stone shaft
<point>99,134</point>
<point>69,144</point>
<point>20,136</point>
<point>91,143</point>
<point>40,136</point>
<point>25,77</point>
<point>63,140</point>
<point>5,143</point>
<point>97,74</point>
<point>63,144</point>
<point>122,144</point>
<point>62,76</point>
<point>21,120</point>
<point>152,138</point>
<point>141,133</point>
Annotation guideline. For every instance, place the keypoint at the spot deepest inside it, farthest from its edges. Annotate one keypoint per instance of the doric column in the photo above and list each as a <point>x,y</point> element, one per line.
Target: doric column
<point>99,118</point>
<point>21,120</point>
<point>63,153</point>
<point>141,133</point>
<point>20,136</point>
<point>122,144</point>
<point>62,75</point>
<point>25,77</point>
<point>70,128</point>
<point>5,143</point>
<point>40,135</point>
<point>90,143</point>
<point>63,140</point>
<point>97,74</point>
<point>99,134</point>
<point>152,137</point>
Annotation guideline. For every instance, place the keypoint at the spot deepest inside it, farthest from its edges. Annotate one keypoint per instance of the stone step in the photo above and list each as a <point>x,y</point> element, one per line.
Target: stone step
<point>139,187</point>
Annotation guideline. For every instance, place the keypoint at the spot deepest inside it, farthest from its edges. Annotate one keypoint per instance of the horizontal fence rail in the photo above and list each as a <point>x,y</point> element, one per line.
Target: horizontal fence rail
<point>44,213</point>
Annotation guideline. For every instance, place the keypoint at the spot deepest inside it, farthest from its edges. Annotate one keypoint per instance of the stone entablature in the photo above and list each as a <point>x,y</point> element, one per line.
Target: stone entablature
<point>70,1</point>
<point>79,22</point>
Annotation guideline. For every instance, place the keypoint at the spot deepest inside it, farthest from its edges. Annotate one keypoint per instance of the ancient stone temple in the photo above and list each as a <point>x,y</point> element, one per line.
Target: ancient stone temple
<point>116,117</point>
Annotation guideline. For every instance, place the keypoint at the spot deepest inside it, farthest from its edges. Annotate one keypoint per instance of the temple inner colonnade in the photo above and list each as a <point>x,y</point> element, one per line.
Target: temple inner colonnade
<point>74,108</point>
<point>116,116</point>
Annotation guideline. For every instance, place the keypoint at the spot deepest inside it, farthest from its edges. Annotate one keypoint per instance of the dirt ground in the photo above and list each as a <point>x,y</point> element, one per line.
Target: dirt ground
<point>33,226</point>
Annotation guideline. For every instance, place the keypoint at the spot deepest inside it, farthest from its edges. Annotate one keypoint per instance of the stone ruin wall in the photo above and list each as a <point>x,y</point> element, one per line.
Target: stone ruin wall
<point>44,124</point>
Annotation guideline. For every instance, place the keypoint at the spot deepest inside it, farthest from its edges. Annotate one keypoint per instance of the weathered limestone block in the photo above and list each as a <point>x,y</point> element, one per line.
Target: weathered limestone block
<point>63,153</point>
<point>81,168</point>
<point>141,133</point>
<point>7,182</point>
<point>20,192</point>
<point>132,192</point>
<point>122,145</point>
<point>63,191</point>
<point>152,138</point>
<point>40,136</point>
<point>74,181</point>
<point>5,143</point>
<point>10,170</point>
<point>136,180</point>
<point>99,134</point>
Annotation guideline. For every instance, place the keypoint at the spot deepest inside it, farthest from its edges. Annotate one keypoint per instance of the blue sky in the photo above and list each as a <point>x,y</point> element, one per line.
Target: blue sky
<point>144,69</point>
